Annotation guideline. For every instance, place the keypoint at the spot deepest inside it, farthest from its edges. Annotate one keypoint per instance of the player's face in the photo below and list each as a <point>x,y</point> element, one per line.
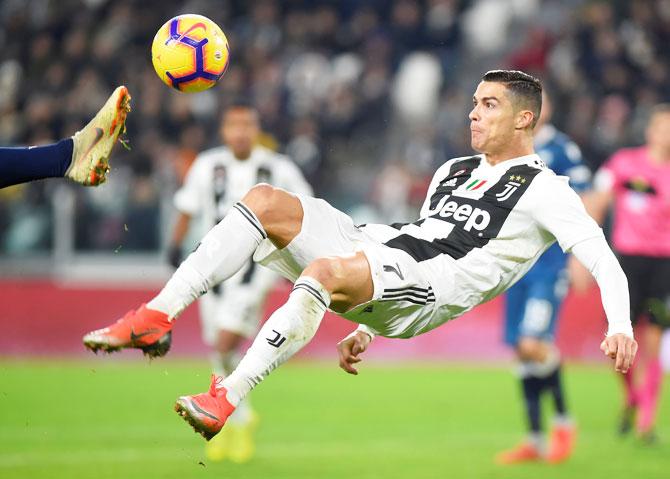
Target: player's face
<point>240,130</point>
<point>492,119</point>
<point>658,131</point>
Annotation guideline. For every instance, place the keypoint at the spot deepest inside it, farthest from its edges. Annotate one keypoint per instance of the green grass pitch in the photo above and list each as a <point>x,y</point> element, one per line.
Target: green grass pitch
<point>111,418</point>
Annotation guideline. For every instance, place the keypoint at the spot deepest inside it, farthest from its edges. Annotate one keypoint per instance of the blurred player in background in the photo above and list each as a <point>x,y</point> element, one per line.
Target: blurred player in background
<point>636,182</point>
<point>230,313</point>
<point>531,312</point>
<point>485,221</point>
<point>83,158</point>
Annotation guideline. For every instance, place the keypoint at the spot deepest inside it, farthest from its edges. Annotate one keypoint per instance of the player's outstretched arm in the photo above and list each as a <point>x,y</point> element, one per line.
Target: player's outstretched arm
<point>350,348</point>
<point>598,258</point>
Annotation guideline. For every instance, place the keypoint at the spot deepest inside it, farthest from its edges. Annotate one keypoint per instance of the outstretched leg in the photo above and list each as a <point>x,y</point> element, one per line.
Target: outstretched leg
<point>84,158</point>
<point>265,212</point>
<point>23,164</point>
<point>342,282</point>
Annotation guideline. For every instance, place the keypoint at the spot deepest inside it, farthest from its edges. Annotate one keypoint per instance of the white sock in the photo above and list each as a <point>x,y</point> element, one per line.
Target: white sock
<point>537,440</point>
<point>289,328</point>
<point>222,252</point>
<point>562,420</point>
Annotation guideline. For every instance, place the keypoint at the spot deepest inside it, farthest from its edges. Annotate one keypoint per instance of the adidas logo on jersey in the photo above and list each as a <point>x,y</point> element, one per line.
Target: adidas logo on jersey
<point>473,217</point>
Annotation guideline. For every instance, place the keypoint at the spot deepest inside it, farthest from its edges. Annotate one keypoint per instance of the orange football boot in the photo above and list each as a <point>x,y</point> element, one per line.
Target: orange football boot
<point>143,328</point>
<point>562,443</point>
<point>206,412</point>
<point>524,452</point>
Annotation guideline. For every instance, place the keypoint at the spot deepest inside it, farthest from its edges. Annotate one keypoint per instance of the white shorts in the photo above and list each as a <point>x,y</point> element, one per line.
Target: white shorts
<point>403,302</point>
<point>236,304</point>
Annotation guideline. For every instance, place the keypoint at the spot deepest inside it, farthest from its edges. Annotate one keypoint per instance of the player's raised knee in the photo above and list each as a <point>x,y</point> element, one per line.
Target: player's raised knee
<point>347,279</point>
<point>259,197</point>
<point>330,272</point>
<point>267,202</point>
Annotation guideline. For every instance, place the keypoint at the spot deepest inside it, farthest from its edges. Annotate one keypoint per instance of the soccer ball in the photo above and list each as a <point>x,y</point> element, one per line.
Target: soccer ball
<point>190,53</point>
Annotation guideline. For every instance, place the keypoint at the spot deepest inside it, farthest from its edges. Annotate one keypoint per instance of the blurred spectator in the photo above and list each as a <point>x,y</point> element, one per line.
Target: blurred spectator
<point>347,87</point>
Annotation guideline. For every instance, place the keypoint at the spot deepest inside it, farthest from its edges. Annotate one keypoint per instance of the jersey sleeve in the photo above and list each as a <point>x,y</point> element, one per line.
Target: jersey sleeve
<point>188,198</point>
<point>596,255</point>
<point>293,180</point>
<point>558,209</point>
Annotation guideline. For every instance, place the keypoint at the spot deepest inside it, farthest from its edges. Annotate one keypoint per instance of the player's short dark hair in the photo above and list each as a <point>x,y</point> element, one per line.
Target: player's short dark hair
<point>242,103</point>
<point>526,90</point>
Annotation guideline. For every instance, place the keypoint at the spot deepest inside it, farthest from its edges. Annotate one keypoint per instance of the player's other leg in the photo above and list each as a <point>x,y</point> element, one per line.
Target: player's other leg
<point>639,272</point>
<point>563,435</point>
<point>224,357</point>
<point>229,318</point>
<point>84,158</point>
<point>658,313</point>
<point>537,301</point>
<point>650,386</point>
<point>236,442</point>
<point>337,282</point>
<point>265,212</point>
<point>531,448</point>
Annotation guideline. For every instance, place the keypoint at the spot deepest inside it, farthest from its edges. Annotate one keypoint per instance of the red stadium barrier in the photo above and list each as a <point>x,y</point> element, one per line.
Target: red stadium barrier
<point>44,318</point>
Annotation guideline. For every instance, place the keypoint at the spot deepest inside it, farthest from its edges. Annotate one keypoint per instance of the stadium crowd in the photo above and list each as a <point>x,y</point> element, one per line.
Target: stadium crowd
<point>366,96</point>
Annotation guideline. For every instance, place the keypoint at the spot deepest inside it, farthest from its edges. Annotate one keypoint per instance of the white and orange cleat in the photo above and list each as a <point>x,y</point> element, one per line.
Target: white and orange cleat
<point>93,144</point>
<point>206,412</point>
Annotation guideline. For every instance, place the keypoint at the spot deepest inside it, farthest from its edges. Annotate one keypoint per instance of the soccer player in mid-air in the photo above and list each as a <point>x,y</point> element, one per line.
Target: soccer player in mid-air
<point>230,313</point>
<point>636,181</point>
<point>485,221</point>
<point>531,313</point>
<point>83,158</point>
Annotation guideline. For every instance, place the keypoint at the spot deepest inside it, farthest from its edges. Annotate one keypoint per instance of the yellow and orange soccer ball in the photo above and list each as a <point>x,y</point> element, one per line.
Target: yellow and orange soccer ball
<point>190,53</point>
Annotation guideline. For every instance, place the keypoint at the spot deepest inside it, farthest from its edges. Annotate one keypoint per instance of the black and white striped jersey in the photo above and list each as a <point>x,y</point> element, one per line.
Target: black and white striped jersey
<point>217,180</point>
<point>482,227</point>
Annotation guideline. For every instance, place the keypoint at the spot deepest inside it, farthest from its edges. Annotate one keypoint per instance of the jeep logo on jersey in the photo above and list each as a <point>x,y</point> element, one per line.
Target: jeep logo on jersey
<point>473,217</point>
<point>480,219</point>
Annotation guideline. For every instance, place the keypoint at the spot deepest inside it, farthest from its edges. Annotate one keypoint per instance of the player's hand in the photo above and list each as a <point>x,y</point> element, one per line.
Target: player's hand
<point>350,348</point>
<point>622,349</point>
